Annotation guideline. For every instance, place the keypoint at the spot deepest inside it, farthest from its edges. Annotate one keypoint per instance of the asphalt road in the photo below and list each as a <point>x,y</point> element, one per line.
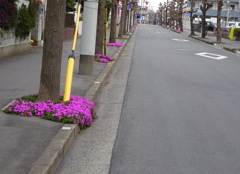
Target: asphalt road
<point>181,108</point>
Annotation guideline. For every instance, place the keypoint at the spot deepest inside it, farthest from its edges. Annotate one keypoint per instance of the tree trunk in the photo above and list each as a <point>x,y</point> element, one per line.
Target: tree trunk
<point>191,17</point>
<point>123,17</point>
<point>220,3</point>
<point>112,38</point>
<point>160,18</point>
<point>180,16</point>
<point>191,23</point>
<point>125,23</point>
<point>100,27</point>
<point>204,7</point>
<point>130,22</point>
<point>52,51</point>
<point>203,24</point>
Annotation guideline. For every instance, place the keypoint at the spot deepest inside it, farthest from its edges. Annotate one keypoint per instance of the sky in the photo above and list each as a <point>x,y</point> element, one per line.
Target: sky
<point>154,4</point>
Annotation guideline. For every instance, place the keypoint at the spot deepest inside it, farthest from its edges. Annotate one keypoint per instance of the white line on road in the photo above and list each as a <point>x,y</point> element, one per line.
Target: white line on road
<point>183,49</point>
<point>181,40</point>
<point>211,56</point>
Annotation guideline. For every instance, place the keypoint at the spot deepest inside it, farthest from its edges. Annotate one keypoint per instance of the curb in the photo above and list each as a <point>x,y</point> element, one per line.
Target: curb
<point>53,155</point>
<point>232,50</point>
<point>175,31</point>
<point>211,43</point>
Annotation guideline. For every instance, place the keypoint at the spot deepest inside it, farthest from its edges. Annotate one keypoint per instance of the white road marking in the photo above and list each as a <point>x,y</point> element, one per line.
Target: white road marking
<point>181,40</point>
<point>211,55</point>
<point>183,49</point>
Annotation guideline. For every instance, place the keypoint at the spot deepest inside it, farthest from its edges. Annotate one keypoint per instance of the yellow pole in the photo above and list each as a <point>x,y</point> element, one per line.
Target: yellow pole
<point>105,31</point>
<point>71,59</point>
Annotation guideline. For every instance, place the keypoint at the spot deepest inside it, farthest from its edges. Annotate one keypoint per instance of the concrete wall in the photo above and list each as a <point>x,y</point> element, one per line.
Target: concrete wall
<point>9,44</point>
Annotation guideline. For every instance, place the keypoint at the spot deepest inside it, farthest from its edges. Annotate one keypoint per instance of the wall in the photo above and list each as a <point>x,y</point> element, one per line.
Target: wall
<point>9,44</point>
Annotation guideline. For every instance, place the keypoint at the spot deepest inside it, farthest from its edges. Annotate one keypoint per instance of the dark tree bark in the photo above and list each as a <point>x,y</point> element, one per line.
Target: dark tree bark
<point>112,38</point>
<point>160,13</point>
<point>220,4</point>
<point>123,18</point>
<point>166,5</point>
<point>130,20</point>
<point>180,14</point>
<point>125,23</point>
<point>191,16</point>
<point>100,27</point>
<point>52,51</point>
<point>204,7</point>
<point>170,14</point>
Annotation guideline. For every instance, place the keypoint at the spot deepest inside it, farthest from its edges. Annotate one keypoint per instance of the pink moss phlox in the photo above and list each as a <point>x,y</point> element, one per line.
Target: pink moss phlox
<point>179,30</point>
<point>110,58</point>
<point>78,108</point>
<point>98,55</point>
<point>115,44</point>
<point>104,60</point>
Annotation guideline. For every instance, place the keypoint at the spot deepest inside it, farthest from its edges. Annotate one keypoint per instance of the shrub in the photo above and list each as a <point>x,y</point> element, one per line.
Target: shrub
<point>70,5</point>
<point>22,19</point>
<point>8,10</point>
<point>23,23</point>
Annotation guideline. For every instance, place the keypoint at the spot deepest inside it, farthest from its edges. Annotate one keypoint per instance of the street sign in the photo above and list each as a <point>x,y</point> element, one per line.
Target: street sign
<point>129,6</point>
<point>138,16</point>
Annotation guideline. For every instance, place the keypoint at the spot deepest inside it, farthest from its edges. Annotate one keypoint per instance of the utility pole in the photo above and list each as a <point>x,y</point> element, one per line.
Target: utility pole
<point>88,38</point>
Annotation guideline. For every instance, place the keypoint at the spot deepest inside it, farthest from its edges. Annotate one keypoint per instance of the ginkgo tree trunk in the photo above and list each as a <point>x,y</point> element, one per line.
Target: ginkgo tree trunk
<point>204,8</point>
<point>112,37</point>
<point>220,5</point>
<point>100,27</point>
<point>123,18</point>
<point>52,51</point>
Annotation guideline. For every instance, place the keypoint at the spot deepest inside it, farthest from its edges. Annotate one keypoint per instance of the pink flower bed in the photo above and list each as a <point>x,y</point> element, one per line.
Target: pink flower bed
<point>78,110</point>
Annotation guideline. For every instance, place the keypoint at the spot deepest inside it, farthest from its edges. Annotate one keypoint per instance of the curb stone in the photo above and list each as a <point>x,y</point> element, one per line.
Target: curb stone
<point>53,155</point>
<point>232,50</point>
<point>208,42</point>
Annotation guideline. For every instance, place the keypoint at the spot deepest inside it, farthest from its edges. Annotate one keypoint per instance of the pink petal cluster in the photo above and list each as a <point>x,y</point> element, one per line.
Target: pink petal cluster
<point>104,58</point>
<point>115,44</point>
<point>134,26</point>
<point>179,30</point>
<point>81,109</point>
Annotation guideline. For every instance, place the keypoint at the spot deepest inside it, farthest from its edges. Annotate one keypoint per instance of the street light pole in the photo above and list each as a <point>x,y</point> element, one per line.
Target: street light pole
<point>228,11</point>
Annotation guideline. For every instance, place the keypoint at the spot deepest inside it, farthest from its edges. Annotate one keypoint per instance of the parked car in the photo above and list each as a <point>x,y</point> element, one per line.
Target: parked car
<point>209,25</point>
<point>233,24</point>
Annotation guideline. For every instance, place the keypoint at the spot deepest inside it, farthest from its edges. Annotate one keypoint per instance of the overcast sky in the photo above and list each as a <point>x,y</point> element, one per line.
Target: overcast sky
<point>154,4</point>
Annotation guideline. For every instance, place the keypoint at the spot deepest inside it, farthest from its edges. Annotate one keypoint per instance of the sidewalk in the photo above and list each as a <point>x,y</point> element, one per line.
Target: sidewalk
<point>227,44</point>
<point>30,144</point>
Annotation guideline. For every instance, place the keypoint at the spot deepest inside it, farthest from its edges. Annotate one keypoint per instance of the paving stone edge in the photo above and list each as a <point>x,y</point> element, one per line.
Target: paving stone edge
<point>52,157</point>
